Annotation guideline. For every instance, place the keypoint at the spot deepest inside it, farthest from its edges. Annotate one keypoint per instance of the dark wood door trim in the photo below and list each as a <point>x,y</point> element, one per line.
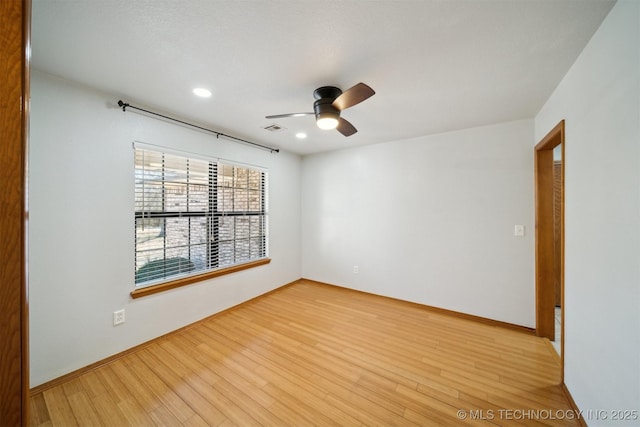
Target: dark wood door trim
<point>15,22</point>
<point>544,246</point>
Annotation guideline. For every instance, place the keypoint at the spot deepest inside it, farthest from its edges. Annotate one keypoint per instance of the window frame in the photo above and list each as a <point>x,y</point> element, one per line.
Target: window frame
<point>212,216</point>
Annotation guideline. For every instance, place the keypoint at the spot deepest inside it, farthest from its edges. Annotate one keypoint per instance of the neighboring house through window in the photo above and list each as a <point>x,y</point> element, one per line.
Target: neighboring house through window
<point>194,215</point>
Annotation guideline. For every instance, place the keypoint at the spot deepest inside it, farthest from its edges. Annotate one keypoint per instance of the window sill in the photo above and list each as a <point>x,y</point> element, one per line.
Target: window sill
<point>154,289</point>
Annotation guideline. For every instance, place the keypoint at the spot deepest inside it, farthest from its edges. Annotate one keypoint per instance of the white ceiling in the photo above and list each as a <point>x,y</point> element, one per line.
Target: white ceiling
<point>436,65</point>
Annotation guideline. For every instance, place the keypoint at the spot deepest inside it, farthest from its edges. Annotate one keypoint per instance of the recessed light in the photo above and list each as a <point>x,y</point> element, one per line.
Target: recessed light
<point>301,135</point>
<point>202,92</point>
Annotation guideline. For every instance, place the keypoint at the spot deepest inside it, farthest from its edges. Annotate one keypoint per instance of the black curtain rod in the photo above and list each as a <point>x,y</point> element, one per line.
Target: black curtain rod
<point>125,105</point>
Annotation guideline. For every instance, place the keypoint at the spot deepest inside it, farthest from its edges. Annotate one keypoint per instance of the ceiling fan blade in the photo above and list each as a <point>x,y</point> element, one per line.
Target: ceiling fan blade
<point>345,127</point>
<point>353,96</point>
<point>279,116</point>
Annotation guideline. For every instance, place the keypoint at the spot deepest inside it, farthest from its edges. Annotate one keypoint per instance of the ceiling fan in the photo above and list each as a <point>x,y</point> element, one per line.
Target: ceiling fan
<point>330,101</point>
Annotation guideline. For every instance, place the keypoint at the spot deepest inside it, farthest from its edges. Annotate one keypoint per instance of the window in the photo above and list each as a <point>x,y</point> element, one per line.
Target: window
<point>194,216</point>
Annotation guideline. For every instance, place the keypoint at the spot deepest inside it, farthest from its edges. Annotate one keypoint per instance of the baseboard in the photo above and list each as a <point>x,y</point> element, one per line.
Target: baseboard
<point>74,374</point>
<point>78,372</point>
<point>573,405</point>
<point>563,386</point>
<point>460,315</point>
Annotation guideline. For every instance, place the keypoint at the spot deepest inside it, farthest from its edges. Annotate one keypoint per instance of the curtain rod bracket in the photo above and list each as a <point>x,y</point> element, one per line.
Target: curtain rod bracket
<point>123,105</point>
<point>126,105</point>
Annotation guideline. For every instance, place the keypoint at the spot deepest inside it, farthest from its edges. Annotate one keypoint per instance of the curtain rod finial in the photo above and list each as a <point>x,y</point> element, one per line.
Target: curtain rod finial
<point>123,105</point>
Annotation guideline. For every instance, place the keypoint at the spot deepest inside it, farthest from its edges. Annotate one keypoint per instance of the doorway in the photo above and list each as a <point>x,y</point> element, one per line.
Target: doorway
<point>549,246</point>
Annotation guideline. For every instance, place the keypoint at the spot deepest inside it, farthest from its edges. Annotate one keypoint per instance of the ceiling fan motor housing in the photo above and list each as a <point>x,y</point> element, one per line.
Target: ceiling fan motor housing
<point>324,109</point>
<point>327,92</point>
<point>324,98</point>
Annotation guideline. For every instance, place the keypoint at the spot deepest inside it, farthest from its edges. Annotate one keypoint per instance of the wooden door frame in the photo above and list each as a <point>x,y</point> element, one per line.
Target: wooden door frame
<point>544,246</point>
<point>15,23</point>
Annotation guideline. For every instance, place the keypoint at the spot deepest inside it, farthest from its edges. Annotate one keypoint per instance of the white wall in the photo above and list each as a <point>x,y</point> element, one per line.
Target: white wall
<point>82,235</point>
<point>428,220</point>
<point>600,100</point>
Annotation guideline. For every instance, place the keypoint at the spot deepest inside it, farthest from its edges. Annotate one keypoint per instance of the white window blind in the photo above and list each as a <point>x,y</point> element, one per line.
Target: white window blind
<point>194,215</point>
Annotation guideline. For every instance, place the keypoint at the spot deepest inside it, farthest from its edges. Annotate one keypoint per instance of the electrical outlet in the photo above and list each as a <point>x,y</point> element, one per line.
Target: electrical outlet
<point>118,317</point>
<point>355,269</point>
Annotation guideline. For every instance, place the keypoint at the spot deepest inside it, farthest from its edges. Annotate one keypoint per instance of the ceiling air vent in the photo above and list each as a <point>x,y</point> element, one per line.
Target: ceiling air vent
<point>274,128</point>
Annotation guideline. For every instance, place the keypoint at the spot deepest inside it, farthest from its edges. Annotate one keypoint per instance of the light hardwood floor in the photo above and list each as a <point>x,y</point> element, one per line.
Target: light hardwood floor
<point>311,354</point>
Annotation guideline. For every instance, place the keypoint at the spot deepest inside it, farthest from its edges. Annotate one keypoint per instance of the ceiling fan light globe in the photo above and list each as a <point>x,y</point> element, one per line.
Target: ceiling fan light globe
<point>327,123</point>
